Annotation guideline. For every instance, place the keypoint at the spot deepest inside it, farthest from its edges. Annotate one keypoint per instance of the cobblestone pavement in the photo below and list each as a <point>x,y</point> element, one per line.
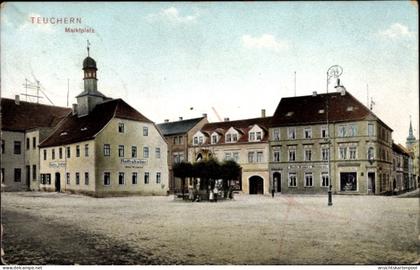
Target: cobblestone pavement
<point>52,228</point>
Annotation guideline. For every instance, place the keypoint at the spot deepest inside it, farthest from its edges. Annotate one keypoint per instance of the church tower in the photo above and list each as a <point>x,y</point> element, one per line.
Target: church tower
<point>90,97</point>
<point>411,140</point>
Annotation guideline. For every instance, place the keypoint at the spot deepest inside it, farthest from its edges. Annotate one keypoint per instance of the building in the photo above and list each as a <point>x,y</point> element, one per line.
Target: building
<point>403,169</point>
<point>245,141</point>
<point>23,126</point>
<point>315,136</point>
<point>413,146</point>
<point>104,147</point>
<point>177,135</point>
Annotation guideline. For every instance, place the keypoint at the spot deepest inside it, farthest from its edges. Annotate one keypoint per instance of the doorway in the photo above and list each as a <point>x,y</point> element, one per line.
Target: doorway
<point>256,185</point>
<point>277,181</point>
<point>371,182</point>
<point>57,182</point>
<point>28,176</point>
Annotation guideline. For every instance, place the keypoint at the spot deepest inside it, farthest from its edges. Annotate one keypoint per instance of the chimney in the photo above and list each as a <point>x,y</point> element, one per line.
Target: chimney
<point>314,93</point>
<point>166,120</point>
<point>17,100</point>
<point>74,110</point>
<point>205,115</point>
<point>226,119</point>
<point>262,112</point>
<point>180,118</point>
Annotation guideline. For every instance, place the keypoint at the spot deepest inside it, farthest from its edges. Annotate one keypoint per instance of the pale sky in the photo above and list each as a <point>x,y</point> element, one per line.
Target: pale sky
<point>181,59</point>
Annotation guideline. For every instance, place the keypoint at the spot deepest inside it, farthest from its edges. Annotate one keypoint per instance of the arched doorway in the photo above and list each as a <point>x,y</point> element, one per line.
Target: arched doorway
<point>256,185</point>
<point>57,182</point>
<point>277,181</point>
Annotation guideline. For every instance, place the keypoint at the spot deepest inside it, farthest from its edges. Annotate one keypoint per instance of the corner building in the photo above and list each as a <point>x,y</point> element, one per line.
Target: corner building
<point>313,137</point>
<point>104,148</point>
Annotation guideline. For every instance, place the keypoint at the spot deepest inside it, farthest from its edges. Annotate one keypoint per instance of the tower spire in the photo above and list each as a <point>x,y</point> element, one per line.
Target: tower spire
<point>411,140</point>
<point>87,47</point>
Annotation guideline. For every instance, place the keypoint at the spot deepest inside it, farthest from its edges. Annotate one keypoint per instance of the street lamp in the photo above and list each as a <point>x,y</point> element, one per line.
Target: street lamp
<point>334,71</point>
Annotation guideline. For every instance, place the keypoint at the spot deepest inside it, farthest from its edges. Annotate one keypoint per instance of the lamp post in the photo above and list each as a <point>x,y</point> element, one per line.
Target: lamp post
<point>334,71</point>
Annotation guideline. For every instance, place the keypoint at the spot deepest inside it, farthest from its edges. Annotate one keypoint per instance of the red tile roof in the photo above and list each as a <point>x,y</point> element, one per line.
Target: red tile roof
<point>77,129</point>
<point>28,115</point>
<point>242,126</point>
<point>306,110</point>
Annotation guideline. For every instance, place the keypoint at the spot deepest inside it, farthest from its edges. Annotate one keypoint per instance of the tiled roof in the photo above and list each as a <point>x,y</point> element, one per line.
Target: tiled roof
<point>398,148</point>
<point>178,127</point>
<point>305,110</point>
<point>77,129</point>
<point>29,115</point>
<point>242,126</point>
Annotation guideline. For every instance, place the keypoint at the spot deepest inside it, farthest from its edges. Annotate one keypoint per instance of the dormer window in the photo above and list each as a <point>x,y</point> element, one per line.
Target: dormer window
<point>252,136</point>
<point>349,108</point>
<point>214,138</point>
<point>228,137</point>
<point>235,137</point>
<point>83,129</point>
<point>321,111</point>
<point>195,141</point>
<point>289,114</point>
<point>64,133</point>
<point>259,135</point>
<point>198,139</point>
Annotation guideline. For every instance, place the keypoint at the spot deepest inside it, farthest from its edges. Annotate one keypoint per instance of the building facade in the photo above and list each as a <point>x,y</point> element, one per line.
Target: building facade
<point>177,135</point>
<point>244,141</point>
<point>23,126</point>
<point>322,135</point>
<point>104,148</point>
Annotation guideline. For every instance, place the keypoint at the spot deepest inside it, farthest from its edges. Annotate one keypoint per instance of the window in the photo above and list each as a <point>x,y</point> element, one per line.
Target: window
<point>121,180</point>
<point>121,127</point>
<point>18,174</point>
<point>308,133</point>
<point>258,135</point>
<point>134,178</point>
<point>146,178</point>
<point>324,132</point>
<point>146,152</point>
<point>34,142</point>
<point>45,154</point>
<point>68,178</point>
<point>53,154</point>
<point>181,140</point>
<point>195,140</point>
<point>34,172</point>
<point>308,154</point>
<point>77,178</point>
<point>252,136</point>
<point>348,181</point>
<point>17,148</point>
<point>107,150</point>
<point>236,156</point>
<point>200,140</point>
<point>228,137</point>
<point>325,179</point>
<point>291,133</point>
<point>292,154</point>
<point>259,157</point>
<point>250,157</point>
<point>86,150</point>
<point>353,130</point>
<point>370,129</point>
<point>276,134</point>
<point>121,150</point>
<point>2,146</point>
<point>292,180</point>
<point>234,137</point>
<point>325,152</point>
<point>27,144</point>
<point>214,139</point>
<point>343,152</point>
<point>86,178</point>
<point>145,131</point>
<point>308,180</point>
<point>371,153</point>
<point>2,175</point>
<point>107,179</point>
<point>133,151</point>
<point>158,178</point>
<point>60,153</point>
<point>178,157</point>
<point>46,179</point>
<point>77,150</point>
<point>68,151</point>
<point>341,131</point>
<point>157,152</point>
<point>276,155</point>
<point>228,156</point>
<point>352,152</point>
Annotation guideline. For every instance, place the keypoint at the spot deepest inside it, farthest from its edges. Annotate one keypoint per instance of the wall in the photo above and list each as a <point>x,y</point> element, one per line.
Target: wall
<point>10,161</point>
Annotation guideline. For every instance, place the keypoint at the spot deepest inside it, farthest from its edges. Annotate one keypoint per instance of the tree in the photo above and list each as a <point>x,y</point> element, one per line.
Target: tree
<point>230,170</point>
<point>182,170</point>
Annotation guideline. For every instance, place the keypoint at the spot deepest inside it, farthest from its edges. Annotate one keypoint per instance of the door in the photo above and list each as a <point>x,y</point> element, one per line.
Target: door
<point>28,176</point>
<point>277,181</point>
<point>57,182</point>
<point>256,185</point>
<point>371,182</point>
